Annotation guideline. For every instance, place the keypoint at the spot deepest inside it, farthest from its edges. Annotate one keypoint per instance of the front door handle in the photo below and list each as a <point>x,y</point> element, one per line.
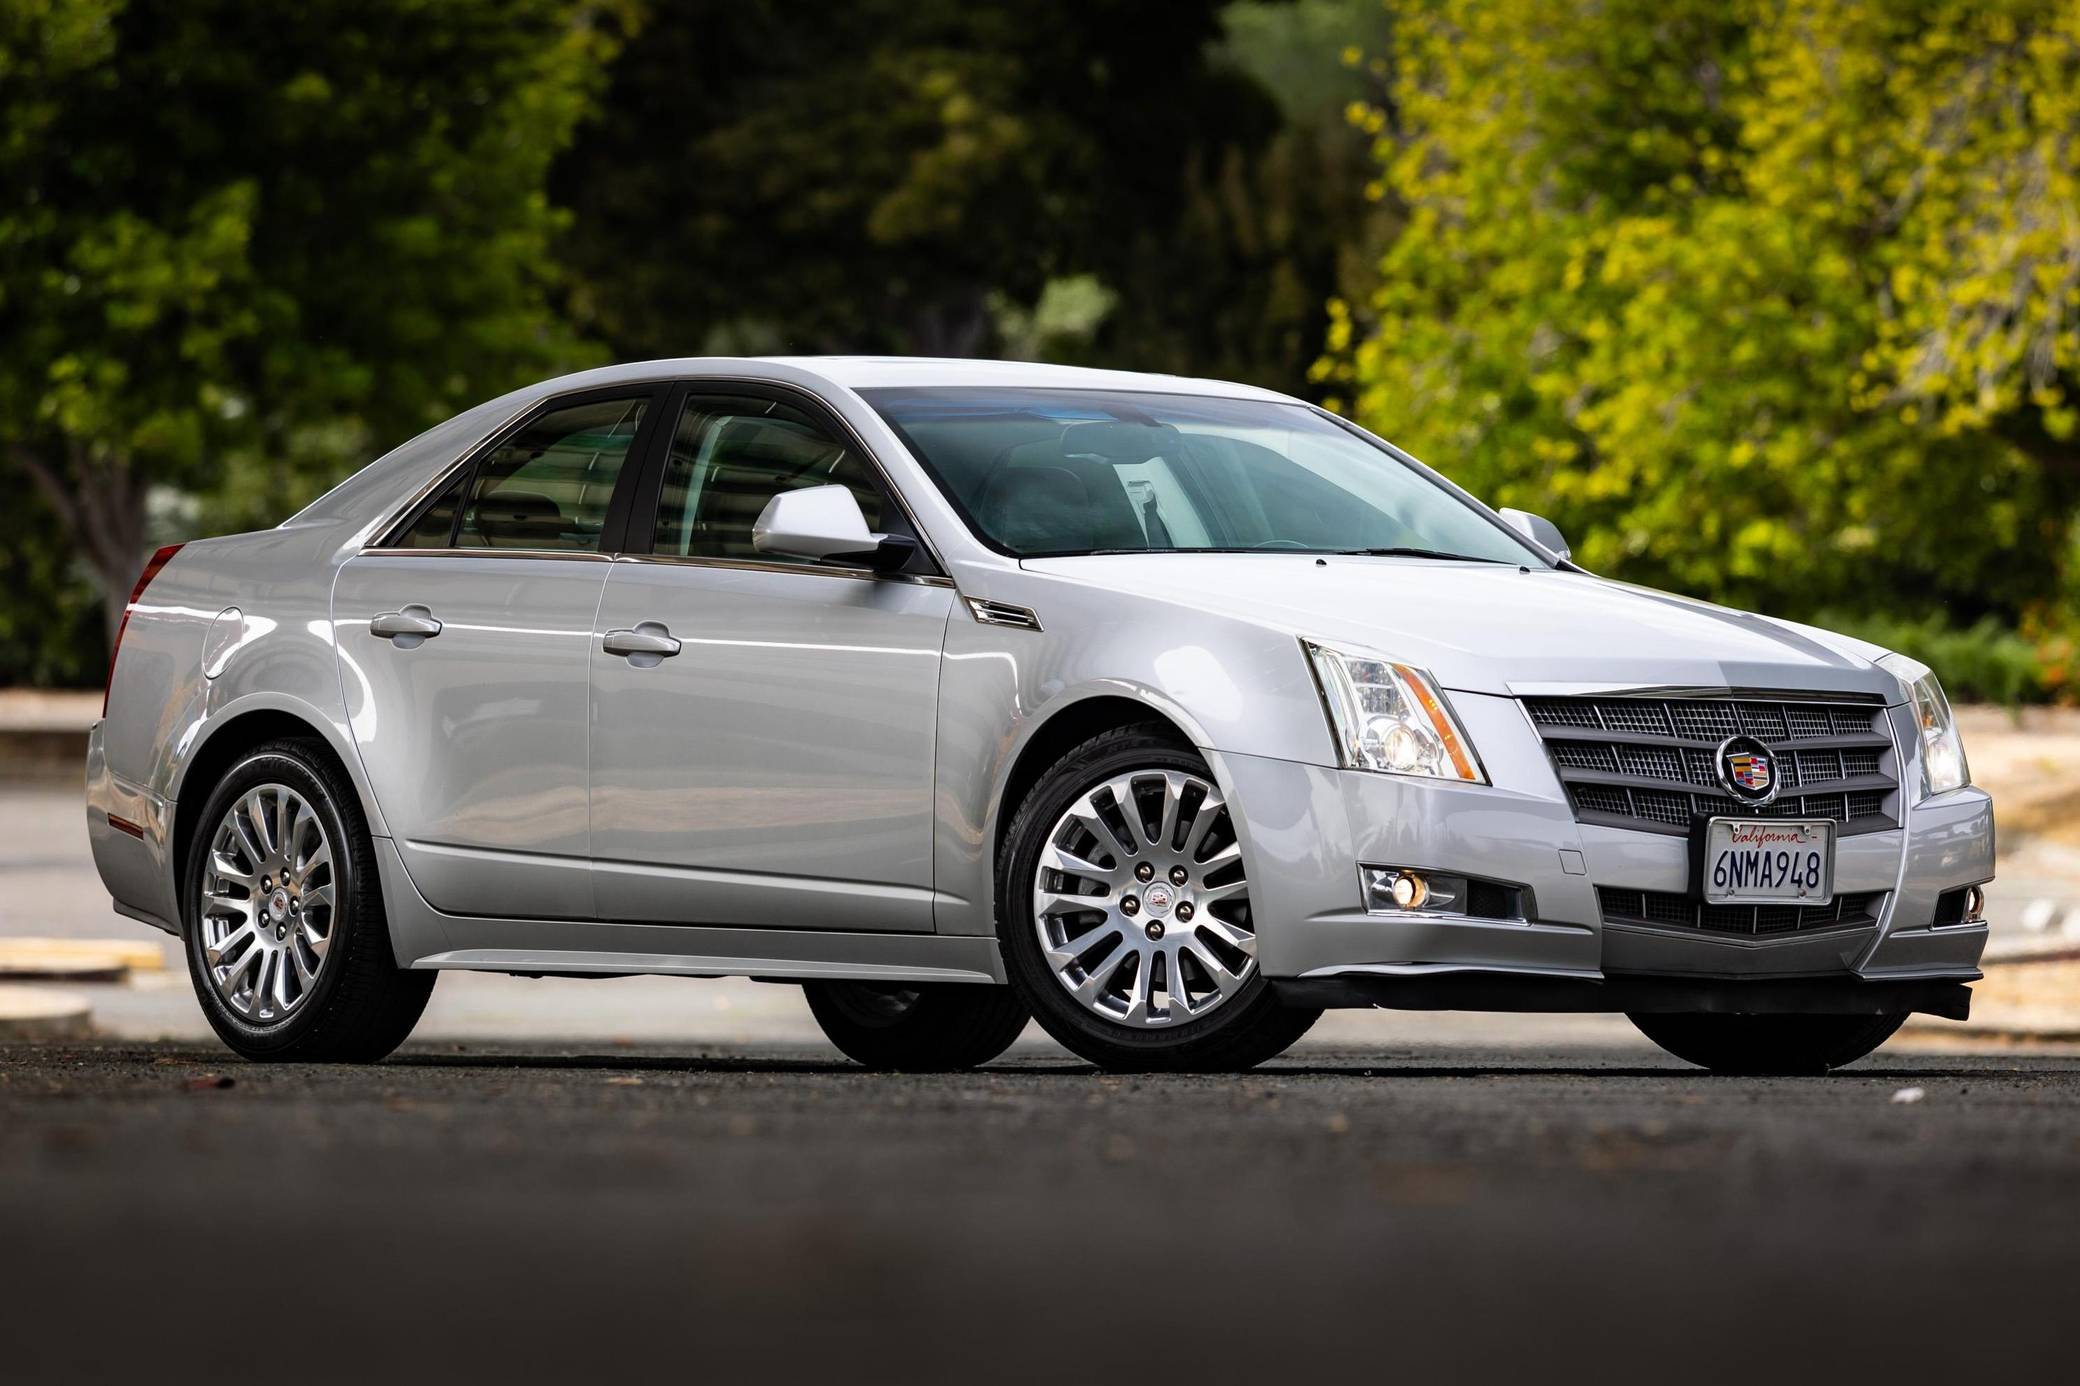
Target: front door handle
<point>646,646</point>
<point>408,628</point>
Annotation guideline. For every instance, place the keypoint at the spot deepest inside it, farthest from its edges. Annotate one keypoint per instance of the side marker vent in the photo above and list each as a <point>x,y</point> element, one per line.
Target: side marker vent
<point>1003,614</point>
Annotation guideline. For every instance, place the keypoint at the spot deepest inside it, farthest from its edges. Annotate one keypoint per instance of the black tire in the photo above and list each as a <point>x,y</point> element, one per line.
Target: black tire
<point>362,1005</point>
<point>917,1028</point>
<point>1769,1045</point>
<point>1244,1031</point>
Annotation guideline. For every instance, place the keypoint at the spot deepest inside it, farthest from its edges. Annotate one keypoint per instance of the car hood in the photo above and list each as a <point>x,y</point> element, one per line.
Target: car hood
<point>1494,628</point>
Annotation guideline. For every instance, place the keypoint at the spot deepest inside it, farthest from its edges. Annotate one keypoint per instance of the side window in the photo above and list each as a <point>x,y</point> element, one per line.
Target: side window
<point>729,456</point>
<point>435,527</point>
<point>548,485</point>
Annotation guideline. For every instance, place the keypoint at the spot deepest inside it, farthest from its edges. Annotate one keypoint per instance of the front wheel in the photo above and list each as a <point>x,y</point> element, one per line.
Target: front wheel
<point>1123,909</point>
<point>1757,1045</point>
<point>917,1027</point>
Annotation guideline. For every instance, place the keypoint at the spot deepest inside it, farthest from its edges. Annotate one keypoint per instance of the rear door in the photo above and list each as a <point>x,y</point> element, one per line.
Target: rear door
<point>464,642</point>
<point>776,769</point>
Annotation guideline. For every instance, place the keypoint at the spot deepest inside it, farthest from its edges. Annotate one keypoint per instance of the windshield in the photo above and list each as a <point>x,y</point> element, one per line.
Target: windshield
<point>1040,472</point>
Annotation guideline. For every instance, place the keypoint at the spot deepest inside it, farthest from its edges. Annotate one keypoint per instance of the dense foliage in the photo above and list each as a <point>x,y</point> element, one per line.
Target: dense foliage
<point>1772,301</point>
<point>876,179</point>
<point>242,244</point>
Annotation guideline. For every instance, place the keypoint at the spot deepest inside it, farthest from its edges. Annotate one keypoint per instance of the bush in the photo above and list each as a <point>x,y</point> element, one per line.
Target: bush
<point>1985,662</point>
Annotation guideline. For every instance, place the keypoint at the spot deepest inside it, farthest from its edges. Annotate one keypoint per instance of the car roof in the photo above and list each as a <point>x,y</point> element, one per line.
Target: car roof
<point>882,372</point>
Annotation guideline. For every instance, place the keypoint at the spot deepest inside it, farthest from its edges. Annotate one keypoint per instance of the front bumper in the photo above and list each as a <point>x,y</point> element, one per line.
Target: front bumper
<point>1307,829</point>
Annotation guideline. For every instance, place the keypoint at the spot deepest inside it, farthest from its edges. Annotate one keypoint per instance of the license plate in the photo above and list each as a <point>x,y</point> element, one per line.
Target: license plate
<point>1774,861</point>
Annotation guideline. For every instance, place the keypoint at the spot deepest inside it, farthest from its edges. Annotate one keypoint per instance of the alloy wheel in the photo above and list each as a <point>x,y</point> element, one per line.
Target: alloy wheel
<point>269,902</point>
<point>1141,901</point>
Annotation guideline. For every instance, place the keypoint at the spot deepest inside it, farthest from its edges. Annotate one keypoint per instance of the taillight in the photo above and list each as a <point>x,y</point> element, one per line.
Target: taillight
<point>144,579</point>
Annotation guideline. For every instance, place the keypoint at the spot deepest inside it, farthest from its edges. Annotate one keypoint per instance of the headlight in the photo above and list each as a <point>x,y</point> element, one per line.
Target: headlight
<point>1943,765</point>
<point>1390,718</point>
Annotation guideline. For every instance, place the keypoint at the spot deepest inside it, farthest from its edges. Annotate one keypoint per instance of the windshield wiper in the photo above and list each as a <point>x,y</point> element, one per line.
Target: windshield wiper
<point>1408,551</point>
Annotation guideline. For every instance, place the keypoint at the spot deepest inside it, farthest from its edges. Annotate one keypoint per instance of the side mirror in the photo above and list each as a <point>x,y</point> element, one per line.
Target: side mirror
<point>825,523</point>
<point>1538,529</point>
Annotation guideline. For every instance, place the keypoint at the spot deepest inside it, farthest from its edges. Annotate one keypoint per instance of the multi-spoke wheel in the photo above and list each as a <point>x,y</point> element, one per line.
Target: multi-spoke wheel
<point>286,938</point>
<point>267,903</point>
<point>1124,911</point>
<point>1141,903</point>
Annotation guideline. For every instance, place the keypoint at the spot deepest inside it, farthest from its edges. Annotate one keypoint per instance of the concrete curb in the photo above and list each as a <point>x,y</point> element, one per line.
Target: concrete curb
<point>138,955</point>
<point>35,967</point>
<point>42,753</point>
<point>37,1015</point>
<point>77,959</point>
<point>2020,1028</point>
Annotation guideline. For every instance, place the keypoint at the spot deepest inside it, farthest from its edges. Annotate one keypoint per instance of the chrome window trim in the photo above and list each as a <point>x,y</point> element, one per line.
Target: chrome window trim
<point>756,565</point>
<point>565,555</point>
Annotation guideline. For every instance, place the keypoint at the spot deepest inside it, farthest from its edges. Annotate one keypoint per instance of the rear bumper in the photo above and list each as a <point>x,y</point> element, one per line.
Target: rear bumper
<point>1308,829</point>
<point>130,830</point>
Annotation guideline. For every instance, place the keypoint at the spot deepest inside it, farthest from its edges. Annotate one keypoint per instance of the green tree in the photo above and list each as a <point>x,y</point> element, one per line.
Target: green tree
<point>1773,301</point>
<point>1230,282</point>
<point>243,246</point>
<point>872,176</point>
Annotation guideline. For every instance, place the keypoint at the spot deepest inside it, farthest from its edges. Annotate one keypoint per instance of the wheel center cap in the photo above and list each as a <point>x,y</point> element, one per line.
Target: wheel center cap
<point>1157,898</point>
<point>278,905</point>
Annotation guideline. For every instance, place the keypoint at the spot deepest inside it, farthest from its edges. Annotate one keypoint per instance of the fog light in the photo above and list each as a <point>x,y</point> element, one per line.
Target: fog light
<point>1974,902</point>
<point>1394,888</point>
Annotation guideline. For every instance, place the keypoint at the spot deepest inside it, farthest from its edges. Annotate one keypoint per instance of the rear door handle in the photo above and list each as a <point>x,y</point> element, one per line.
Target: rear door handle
<point>410,627</point>
<point>645,646</point>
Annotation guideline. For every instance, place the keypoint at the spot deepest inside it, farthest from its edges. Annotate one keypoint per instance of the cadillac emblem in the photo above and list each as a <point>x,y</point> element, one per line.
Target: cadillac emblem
<point>1748,770</point>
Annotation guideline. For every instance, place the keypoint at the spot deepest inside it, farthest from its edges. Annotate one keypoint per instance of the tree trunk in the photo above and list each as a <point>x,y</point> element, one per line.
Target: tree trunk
<point>100,502</point>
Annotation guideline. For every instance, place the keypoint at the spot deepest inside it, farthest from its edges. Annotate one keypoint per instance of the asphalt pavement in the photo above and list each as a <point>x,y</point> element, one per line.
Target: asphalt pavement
<point>763,1213</point>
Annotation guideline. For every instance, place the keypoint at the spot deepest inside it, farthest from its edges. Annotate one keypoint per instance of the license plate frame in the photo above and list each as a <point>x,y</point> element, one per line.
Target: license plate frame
<point>1712,836</point>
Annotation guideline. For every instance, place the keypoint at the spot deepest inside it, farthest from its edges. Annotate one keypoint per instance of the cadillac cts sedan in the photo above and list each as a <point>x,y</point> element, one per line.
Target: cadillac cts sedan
<point>1165,712</point>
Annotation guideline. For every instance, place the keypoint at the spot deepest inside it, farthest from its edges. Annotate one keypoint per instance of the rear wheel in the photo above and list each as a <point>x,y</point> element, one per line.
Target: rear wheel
<point>1769,1044</point>
<point>917,1027</point>
<point>1123,909</point>
<point>286,939</point>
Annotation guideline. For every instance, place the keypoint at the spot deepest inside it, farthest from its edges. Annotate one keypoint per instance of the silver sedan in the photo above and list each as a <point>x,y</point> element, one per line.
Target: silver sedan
<point>1165,712</point>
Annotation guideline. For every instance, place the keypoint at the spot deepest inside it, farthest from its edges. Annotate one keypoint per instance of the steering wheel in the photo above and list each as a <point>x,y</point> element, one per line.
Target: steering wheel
<point>1279,544</point>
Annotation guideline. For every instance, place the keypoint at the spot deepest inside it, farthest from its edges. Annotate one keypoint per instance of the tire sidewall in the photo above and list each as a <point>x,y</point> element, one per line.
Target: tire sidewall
<point>274,765</point>
<point>1057,1011</point>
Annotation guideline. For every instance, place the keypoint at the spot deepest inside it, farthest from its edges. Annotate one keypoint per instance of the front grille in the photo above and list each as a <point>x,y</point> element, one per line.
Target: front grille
<point>1663,910</point>
<point>1649,763</point>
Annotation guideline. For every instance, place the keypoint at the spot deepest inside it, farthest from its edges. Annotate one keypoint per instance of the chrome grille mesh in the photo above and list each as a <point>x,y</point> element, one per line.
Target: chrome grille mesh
<point>1649,763</point>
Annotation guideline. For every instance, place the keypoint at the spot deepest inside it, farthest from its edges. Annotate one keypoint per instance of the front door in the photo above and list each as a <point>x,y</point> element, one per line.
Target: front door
<point>464,642</point>
<point>762,729</point>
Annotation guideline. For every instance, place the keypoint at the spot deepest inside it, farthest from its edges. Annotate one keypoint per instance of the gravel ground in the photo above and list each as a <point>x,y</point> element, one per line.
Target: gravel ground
<point>1457,1213</point>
